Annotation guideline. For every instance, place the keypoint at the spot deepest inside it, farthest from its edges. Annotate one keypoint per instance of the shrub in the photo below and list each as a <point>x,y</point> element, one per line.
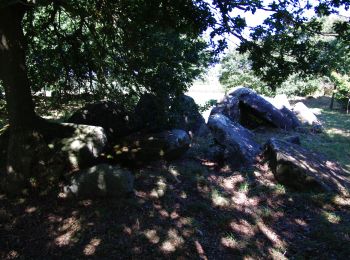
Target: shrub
<point>342,83</point>
<point>303,86</point>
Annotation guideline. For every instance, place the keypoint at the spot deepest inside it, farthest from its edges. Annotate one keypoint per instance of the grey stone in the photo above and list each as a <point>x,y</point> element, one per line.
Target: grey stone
<point>305,115</point>
<point>102,180</point>
<point>256,110</point>
<point>295,139</point>
<point>229,107</point>
<point>143,148</point>
<point>111,116</point>
<point>282,104</point>
<point>154,114</point>
<point>83,146</point>
<point>301,169</point>
<point>184,115</point>
<point>234,137</point>
<point>280,101</point>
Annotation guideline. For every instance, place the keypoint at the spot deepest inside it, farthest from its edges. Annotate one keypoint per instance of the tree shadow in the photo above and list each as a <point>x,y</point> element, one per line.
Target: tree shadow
<point>188,208</point>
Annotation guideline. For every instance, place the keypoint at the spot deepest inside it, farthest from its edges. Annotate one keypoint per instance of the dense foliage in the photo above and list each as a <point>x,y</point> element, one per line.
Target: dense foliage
<point>236,70</point>
<point>88,48</point>
<point>342,92</point>
<point>326,55</point>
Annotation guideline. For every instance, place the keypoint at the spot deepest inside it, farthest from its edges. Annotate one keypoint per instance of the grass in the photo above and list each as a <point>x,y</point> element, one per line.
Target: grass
<point>335,140</point>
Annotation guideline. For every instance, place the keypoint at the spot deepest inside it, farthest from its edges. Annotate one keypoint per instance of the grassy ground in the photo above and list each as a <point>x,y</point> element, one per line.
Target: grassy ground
<point>192,208</point>
<point>334,142</point>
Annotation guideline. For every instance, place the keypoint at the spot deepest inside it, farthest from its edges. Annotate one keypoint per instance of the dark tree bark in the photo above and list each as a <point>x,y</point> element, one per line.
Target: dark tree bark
<point>331,106</point>
<point>13,72</point>
<point>20,107</point>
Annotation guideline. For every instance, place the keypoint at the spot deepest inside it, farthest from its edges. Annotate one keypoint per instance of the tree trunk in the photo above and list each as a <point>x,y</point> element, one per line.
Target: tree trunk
<point>20,107</point>
<point>13,71</point>
<point>331,106</point>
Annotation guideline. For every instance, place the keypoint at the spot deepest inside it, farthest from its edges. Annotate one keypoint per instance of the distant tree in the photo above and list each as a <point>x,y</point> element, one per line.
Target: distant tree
<point>342,92</point>
<point>236,70</point>
<point>307,48</point>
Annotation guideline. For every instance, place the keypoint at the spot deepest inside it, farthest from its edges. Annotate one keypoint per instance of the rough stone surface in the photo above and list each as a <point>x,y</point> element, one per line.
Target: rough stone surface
<point>143,148</point>
<point>235,138</point>
<point>102,180</point>
<point>291,116</point>
<point>203,131</point>
<point>279,101</point>
<point>112,117</point>
<point>305,115</point>
<point>182,114</point>
<point>228,107</point>
<point>295,139</point>
<point>83,146</point>
<point>282,104</point>
<point>301,169</point>
<point>256,110</point>
<point>149,113</point>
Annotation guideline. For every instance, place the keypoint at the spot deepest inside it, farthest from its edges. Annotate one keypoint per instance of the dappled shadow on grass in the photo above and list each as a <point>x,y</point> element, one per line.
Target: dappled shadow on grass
<point>189,209</point>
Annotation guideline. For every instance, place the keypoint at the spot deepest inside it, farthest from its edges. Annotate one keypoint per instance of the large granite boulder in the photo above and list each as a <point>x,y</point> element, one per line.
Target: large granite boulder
<point>256,110</point>
<point>184,115</point>
<point>228,107</point>
<point>154,114</point>
<point>301,169</point>
<point>81,145</point>
<point>279,101</point>
<point>235,138</point>
<point>305,115</point>
<point>111,116</point>
<point>102,180</point>
<point>282,104</point>
<point>143,148</point>
<point>150,114</point>
<point>74,146</point>
<point>51,153</point>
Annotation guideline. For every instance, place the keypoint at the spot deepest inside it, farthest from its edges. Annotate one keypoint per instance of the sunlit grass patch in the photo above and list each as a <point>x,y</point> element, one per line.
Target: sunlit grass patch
<point>243,187</point>
<point>335,140</point>
<point>280,189</point>
<point>219,199</point>
<point>229,240</point>
<point>331,217</point>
